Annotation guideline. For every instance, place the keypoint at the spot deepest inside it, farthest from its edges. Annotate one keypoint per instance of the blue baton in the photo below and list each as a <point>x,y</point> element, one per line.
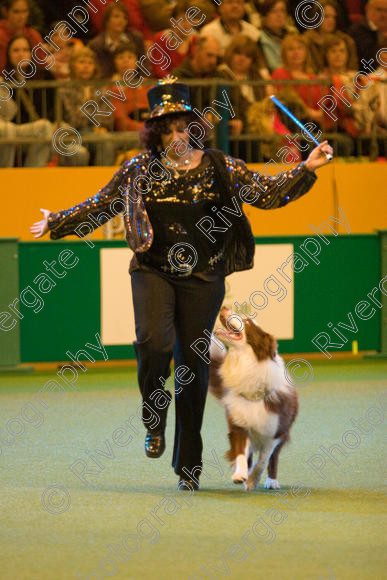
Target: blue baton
<point>291,116</point>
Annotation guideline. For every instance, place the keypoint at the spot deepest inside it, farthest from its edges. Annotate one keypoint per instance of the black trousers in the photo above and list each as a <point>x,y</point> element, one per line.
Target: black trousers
<point>169,316</point>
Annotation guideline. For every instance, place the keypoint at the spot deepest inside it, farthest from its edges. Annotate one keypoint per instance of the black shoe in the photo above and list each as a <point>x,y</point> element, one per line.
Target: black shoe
<point>187,484</point>
<point>154,443</point>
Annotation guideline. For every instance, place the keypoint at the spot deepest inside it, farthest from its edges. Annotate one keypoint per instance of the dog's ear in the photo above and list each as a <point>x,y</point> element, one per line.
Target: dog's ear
<point>263,344</point>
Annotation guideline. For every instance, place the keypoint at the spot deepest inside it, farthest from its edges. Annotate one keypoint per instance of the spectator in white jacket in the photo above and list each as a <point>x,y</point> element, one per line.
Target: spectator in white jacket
<point>230,24</point>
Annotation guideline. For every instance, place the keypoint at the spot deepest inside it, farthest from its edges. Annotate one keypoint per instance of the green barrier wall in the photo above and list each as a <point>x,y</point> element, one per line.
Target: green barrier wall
<point>349,269</point>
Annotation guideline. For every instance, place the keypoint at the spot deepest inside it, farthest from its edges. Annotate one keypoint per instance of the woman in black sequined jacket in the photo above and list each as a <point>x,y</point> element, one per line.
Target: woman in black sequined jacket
<point>184,222</point>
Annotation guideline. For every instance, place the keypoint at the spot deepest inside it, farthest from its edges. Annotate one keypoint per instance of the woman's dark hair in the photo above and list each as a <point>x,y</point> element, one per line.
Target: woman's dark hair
<point>126,47</point>
<point>242,44</point>
<point>151,134</point>
<point>267,6</point>
<point>108,12</point>
<point>9,66</point>
<point>7,4</point>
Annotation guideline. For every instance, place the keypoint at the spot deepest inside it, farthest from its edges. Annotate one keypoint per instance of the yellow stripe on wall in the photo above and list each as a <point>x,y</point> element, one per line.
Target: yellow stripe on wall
<point>361,191</point>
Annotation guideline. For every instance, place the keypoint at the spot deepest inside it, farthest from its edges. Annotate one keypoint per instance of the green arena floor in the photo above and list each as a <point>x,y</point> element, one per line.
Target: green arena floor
<point>127,521</point>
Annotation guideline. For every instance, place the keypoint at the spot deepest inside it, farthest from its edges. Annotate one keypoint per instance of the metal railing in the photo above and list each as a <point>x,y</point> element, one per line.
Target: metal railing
<point>251,146</point>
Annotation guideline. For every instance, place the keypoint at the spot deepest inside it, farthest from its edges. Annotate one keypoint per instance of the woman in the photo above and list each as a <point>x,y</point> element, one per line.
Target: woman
<point>240,64</point>
<point>316,36</point>
<point>274,28</point>
<point>250,102</point>
<point>296,65</point>
<point>60,68</point>
<point>115,31</point>
<point>364,110</point>
<point>33,114</point>
<point>177,295</point>
<point>16,14</point>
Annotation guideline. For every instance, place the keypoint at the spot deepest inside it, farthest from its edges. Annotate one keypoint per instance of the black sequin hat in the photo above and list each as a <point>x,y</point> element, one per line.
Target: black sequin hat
<point>168,98</point>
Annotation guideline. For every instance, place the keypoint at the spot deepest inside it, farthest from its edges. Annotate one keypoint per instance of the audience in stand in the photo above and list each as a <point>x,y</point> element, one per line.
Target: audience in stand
<point>335,57</point>
<point>240,64</point>
<point>201,64</point>
<point>178,48</point>
<point>316,36</point>
<point>21,115</point>
<point>342,12</point>
<point>14,21</point>
<point>84,67</point>
<point>296,66</point>
<point>132,110</point>
<point>256,38</point>
<point>114,31</point>
<point>60,68</point>
<point>137,20</point>
<point>364,112</point>
<point>229,24</point>
<point>370,33</point>
<point>274,29</point>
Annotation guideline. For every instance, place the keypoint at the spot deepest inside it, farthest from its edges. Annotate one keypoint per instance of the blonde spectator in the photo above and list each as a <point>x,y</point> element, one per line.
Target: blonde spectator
<point>84,67</point>
<point>297,66</point>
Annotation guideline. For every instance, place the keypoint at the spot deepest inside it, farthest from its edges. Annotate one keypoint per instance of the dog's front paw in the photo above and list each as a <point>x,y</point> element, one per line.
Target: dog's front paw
<point>251,483</point>
<point>241,469</point>
<point>238,477</point>
<point>271,483</point>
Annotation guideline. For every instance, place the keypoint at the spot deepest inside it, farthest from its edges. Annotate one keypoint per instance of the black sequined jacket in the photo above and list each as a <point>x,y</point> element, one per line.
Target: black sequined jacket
<point>236,182</point>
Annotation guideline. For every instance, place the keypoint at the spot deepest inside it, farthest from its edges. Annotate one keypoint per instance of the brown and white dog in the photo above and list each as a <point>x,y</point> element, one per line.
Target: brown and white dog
<point>261,405</point>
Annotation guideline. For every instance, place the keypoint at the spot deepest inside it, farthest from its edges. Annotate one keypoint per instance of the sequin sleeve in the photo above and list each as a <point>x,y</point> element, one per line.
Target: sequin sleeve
<point>264,192</point>
<point>66,222</point>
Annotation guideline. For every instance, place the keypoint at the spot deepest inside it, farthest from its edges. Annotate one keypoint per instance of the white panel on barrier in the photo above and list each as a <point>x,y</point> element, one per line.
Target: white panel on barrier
<point>117,318</point>
<point>266,292</point>
<point>274,295</point>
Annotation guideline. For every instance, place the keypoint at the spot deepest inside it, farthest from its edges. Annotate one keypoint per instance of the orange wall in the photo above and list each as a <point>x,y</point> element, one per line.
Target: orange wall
<point>361,191</point>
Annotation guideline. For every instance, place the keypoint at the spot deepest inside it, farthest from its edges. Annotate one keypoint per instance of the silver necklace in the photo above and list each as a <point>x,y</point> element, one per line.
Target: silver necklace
<point>179,166</point>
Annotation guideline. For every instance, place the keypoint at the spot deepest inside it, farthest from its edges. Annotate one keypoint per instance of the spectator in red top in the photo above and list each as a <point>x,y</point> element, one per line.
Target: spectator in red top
<point>296,65</point>
<point>115,31</point>
<point>129,114</point>
<point>177,47</point>
<point>16,14</point>
<point>137,20</point>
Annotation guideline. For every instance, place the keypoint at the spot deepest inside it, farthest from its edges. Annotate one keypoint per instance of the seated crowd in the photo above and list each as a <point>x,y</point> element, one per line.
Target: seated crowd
<point>255,47</point>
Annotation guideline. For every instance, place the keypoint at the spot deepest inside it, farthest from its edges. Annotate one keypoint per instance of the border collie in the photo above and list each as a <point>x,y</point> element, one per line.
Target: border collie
<point>261,405</point>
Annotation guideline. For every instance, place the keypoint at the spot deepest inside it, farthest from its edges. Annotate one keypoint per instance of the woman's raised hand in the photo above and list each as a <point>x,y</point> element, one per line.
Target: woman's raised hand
<point>39,229</point>
<point>318,157</point>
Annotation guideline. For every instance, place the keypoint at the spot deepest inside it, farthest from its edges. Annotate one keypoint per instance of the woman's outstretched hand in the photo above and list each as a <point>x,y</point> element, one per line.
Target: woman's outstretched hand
<point>317,158</point>
<point>39,229</point>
